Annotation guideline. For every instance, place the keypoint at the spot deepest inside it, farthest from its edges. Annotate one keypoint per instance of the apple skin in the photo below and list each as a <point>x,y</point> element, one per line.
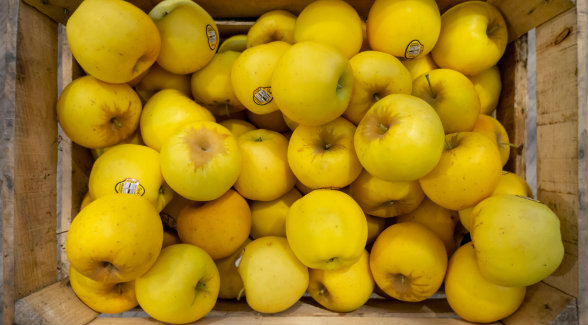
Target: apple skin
<point>273,121</point>
<point>400,138</point>
<point>96,114</point>
<point>269,218</point>
<point>473,38</point>
<point>274,25</point>
<point>94,35</point>
<point>488,86</point>
<point>157,78</point>
<point>231,285</point>
<point>312,83</point>
<point>493,129</point>
<point>420,66</point>
<point>191,287</point>
<point>236,43</point>
<point>237,126</point>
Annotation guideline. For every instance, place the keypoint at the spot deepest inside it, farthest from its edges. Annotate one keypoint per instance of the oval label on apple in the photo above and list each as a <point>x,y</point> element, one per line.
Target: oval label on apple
<point>211,35</point>
<point>129,186</point>
<point>262,95</point>
<point>414,49</point>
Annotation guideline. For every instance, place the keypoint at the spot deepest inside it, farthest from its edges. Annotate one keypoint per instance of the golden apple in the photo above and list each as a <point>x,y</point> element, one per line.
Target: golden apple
<point>375,226</point>
<point>170,237</point>
<point>237,126</point>
<point>269,218</point>
<point>231,285</point>
<point>273,121</point>
<point>170,213</point>
<point>493,129</point>
<point>511,183</point>
<point>134,138</point>
<point>419,66</point>
<point>157,78</point>
<point>488,86</point>
<point>274,25</point>
<point>236,43</point>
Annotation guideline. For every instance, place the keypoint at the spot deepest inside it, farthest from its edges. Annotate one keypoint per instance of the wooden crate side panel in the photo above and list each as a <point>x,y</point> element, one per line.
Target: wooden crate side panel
<point>557,138</point>
<point>542,305</point>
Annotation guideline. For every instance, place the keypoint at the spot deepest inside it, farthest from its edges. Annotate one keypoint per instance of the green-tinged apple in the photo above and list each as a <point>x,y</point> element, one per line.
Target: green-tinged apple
<point>452,95</point>
<point>376,75</point>
<point>269,218</point>
<point>324,156</point>
<point>326,229</point>
<point>312,83</point>
<point>237,126</point>
<point>189,35</point>
<point>231,285</point>
<point>419,66</point>
<point>400,138</point>
<point>191,287</point>
<point>271,121</point>
<point>96,114</point>
<point>495,131</point>
<point>201,161</point>
<point>488,86</point>
<point>416,25</point>
<point>274,25</point>
<point>157,78</point>
<point>473,38</point>
<point>116,238</point>
<point>236,43</point>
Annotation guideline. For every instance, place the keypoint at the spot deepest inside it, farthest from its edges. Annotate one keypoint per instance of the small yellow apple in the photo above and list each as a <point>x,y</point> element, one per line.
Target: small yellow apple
<point>488,86</point>
<point>274,25</point>
<point>419,66</point>
<point>231,285</point>
<point>237,126</point>
<point>134,138</point>
<point>269,218</point>
<point>493,129</point>
<point>375,226</point>
<point>236,43</point>
<point>273,121</point>
<point>169,214</point>
<point>170,237</point>
<point>157,78</point>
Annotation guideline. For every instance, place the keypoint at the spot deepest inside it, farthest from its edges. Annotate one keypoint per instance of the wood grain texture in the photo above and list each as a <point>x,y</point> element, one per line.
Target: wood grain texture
<point>542,305</point>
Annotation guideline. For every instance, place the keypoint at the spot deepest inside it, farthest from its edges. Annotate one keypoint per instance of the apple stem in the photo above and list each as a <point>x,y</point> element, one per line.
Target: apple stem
<point>227,110</point>
<point>430,87</point>
<point>491,29</point>
<point>240,294</point>
<point>383,128</point>
<point>376,97</point>
<point>116,122</point>
<point>512,145</point>
<point>327,146</point>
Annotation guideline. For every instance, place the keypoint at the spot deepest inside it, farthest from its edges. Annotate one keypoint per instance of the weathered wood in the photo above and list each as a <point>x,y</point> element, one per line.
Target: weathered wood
<point>541,306</point>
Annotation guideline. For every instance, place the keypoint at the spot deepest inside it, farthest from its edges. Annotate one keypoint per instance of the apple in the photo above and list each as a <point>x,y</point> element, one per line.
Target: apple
<point>165,112</point>
<point>452,95</point>
<point>96,114</point>
<point>231,285</point>
<point>400,138</point>
<point>473,297</point>
<point>169,214</point>
<point>251,76</point>
<point>94,35</point>
<point>376,75</point>
<point>345,289</point>
<point>419,66</point>
<point>236,43</point>
<point>189,35</point>
<point>488,86</point>
<point>269,218</point>
<point>134,138</point>
<point>375,226</point>
<point>237,127</point>
<point>416,25</point>
<point>323,156</point>
<point>341,30</point>
<point>157,78</point>
<point>517,240</point>
<point>170,237</point>
<point>201,161</point>
<point>116,238</point>
<point>493,129</point>
<point>408,261</point>
<point>273,121</point>
<point>191,287</point>
<point>265,175</point>
<point>326,229</point>
<point>312,83</point>
<point>274,25</point>
<point>473,38</point>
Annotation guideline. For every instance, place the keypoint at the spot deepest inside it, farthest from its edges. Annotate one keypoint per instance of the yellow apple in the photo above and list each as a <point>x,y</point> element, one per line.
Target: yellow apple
<point>95,114</point>
<point>265,175</point>
<point>517,239</point>
<point>400,138</point>
<point>269,218</point>
<point>467,173</point>
<point>134,138</point>
<point>365,45</point>
<point>103,297</point>
<point>237,127</point>
<point>488,86</point>
<point>189,36</point>
<point>116,238</point>
<point>95,33</point>
<point>408,261</point>
<point>493,129</point>
<point>312,83</point>
<point>86,200</point>
<point>473,38</point>
<point>274,25</point>
<point>465,217</point>
<point>376,75</point>
<point>383,198</point>
<point>375,227</point>
<point>236,43</point>
<point>345,289</point>
<point>323,156</point>
<point>251,76</point>
<point>274,279</point>
<point>231,285</point>
<point>292,125</point>
<point>191,285</point>
<point>170,237</point>
<point>169,214</point>
<point>326,229</point>
<point>473,297</point>
<point>452,95</point>
<point>341,30</point>
<point>273,121</point>
<point>165,112</point>
<point>157,78</point>
<point>419,66</point>
<point>415,24</point>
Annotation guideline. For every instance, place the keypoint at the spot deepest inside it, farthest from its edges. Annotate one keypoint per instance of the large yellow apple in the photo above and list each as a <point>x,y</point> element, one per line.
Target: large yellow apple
<point>341,30</point>
<point>269,218</point>
<point>312,83</point>
<point>189,36</point>
<point>237,126</point>
<point>265,175</point>
<point>488,86</point>
<point>201,161</point>
<point>467,173</point>
<point>157,78</point>
<point>181,287</point>
<point>473,297</point>
<point>344,289</point>
<point>236,43</point>
<point>473,38</point>
<point>404,28</point>
<point>517,240</point>
<point>323,156</point>
<point>165,112</point>
<point>274,25</point>
<point>274,279</point>
<point>383,198</point>
<point>400,138</point>
<point>112,40</point>
<point>96,114</point>
<point>251,76</point>
<point>103,297</point>
<point>326,229</point>
<point>452,95</point>
<point>419,66</point>
<point>493,129</point>
<point>376,75</point>
<point>116,238</point>
<point>231,285</point>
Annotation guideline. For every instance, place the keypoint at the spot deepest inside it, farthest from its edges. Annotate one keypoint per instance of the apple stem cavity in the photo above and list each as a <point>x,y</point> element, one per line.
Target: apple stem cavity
<point>109,266</point>
<point>383,128</point>
<point>451,143</point>
<point>491,29</point>
<point>116,122</point>
<point>376,97</point>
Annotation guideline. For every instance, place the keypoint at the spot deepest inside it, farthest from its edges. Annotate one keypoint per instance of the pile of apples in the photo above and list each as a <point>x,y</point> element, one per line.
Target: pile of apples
<point>319,154</point>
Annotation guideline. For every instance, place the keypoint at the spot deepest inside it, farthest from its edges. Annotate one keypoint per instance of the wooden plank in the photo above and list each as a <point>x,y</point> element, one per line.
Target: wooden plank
<point>541,306</point>
<point>557,134</point>
<point>267,320</point>
<point>55,304</point>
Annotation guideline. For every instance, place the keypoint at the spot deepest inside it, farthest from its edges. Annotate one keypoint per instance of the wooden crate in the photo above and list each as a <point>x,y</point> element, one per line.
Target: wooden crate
<point>33,154</point>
